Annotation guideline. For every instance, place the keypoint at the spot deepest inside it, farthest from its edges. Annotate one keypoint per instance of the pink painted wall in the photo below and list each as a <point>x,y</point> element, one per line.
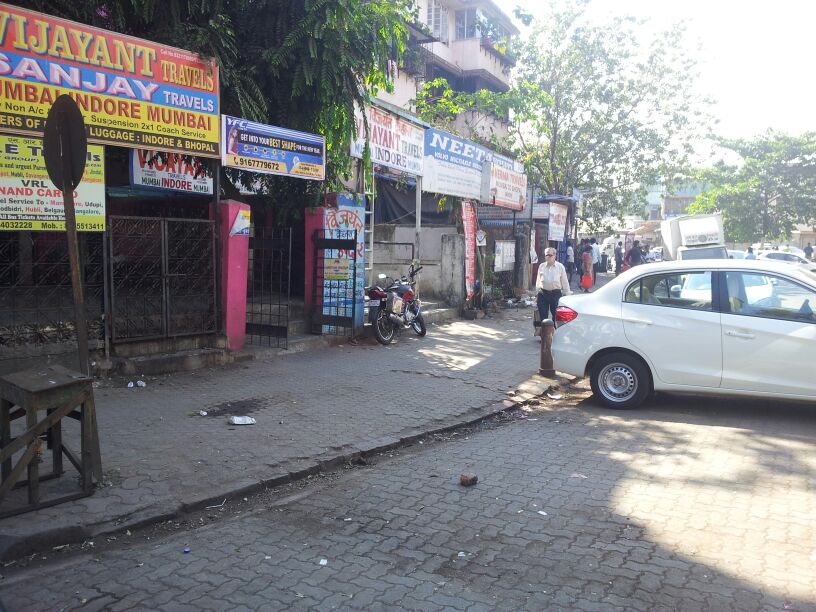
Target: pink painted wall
<point>234,266</point>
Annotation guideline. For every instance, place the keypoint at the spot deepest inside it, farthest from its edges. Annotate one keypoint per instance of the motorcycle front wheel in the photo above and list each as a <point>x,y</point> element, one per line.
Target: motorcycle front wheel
<point>384,329</point>
<point>418,325</point>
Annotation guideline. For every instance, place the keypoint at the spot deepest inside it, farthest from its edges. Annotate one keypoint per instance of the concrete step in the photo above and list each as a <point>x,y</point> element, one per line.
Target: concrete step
<point>165,363</point>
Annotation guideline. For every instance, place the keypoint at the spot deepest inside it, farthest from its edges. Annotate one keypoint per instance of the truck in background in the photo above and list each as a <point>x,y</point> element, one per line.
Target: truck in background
<point>694,237</point>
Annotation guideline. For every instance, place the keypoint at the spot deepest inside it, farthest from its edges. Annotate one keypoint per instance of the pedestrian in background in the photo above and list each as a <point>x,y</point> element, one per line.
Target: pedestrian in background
<point>750,253</point>
<point>619,258</point>
<point>570,260</point>
<point>552,283</point>
<point>808,251</point>
<point>596,258</point>
<point>587,277</point>
<point>635,256</point>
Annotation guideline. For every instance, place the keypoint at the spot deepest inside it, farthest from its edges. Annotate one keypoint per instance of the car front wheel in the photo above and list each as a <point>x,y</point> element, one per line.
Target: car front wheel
<point>620,380</point>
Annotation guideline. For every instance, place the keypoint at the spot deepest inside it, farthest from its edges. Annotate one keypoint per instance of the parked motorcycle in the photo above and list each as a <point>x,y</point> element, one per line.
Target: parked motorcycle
<point>395,307</point>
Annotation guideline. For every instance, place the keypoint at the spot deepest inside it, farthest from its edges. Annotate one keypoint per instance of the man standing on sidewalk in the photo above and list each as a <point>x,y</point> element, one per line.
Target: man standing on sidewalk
<point>596,259</point>
<point>570,260</point>
<point>552,283</point>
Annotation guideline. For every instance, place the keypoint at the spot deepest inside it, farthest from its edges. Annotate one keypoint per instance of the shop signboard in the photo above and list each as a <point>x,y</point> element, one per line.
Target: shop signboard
<point>504,183</point>
<point>272,150</point>
<point>557,222</point>
<point>131,92</point>
<point>170,171</point>
<point>541,211</point>
<point>30,201</point>
<point>453,165</point>
<point>393,141</point>
<point>469,222</point>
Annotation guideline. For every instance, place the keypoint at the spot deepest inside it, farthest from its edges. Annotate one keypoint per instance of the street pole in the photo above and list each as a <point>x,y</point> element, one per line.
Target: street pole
<point>73,251</point>
<point>417,229</point>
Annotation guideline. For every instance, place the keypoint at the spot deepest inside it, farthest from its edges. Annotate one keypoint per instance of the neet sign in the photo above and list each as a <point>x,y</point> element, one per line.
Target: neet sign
<point>132,93</point>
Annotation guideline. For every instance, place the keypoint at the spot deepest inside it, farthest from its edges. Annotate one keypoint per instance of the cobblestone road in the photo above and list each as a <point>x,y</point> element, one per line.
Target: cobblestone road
<point>312,407</point>
<point>685,505</point>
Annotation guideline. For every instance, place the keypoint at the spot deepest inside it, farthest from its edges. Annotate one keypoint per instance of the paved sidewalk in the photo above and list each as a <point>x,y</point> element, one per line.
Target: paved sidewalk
<point>314,410</point>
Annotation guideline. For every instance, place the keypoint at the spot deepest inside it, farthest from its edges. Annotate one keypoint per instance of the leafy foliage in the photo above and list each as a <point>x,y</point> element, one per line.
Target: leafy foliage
<point>301,65</point>
<point>602,112</point>
<point>593,108</point>
<point>768,192</point>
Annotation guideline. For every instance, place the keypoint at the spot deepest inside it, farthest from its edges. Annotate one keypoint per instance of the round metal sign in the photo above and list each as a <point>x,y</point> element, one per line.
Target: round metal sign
<point>65,138</point>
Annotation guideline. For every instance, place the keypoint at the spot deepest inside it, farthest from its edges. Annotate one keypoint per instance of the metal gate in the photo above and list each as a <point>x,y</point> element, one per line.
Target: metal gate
<point>334,282</point>
<point>269,286</point>
<point>36,299</point>
<point>162,277</point>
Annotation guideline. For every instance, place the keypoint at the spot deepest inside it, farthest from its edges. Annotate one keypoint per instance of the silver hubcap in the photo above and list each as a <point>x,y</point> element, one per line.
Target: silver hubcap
<point>617,382</point>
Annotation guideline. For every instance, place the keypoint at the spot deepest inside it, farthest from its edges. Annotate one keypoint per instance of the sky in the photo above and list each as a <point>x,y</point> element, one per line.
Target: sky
<point>755,57</point>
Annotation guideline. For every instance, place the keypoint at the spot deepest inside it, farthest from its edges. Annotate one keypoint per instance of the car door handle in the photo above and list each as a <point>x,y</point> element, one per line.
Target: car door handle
<point>635,320</point>
<point>737,334</point>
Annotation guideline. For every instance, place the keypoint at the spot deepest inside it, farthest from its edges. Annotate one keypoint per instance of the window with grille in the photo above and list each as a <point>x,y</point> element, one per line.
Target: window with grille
<point>438,20</point>
<point>467,24</point>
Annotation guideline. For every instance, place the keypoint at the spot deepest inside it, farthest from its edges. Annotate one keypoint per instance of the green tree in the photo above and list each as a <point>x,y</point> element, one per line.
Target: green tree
<point>302,65</point>
<point>594,107</point>
<point>770,190</point>
<point>620,113</point>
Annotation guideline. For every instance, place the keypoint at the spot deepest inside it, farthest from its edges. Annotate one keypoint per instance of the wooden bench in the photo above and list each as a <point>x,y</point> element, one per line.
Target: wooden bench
<point>59,393</point>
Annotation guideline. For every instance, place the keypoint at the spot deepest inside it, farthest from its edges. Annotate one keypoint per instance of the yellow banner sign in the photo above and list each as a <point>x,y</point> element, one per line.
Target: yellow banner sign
<point>30,201</point>
<point>132,93</point>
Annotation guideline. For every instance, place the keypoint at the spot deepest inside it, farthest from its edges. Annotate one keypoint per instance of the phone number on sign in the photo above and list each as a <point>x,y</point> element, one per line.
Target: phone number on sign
<point>261,164</point>
<point>6,225</point>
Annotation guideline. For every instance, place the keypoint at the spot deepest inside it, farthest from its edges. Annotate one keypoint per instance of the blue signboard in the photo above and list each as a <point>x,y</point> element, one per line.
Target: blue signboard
<point>272,150</point>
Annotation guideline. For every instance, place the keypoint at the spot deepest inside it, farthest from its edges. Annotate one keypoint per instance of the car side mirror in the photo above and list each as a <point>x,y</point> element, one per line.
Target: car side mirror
<point>774,281</point>
<point>382,276</point>
<point>675,291</point>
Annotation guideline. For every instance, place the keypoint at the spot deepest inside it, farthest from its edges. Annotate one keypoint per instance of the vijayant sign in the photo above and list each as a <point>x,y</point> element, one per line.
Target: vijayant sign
<point>132,93</point>
<point>393,142</point>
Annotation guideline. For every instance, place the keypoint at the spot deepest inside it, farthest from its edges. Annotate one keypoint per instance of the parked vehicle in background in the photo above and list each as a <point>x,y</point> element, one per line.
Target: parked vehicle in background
<point>716,327</point>
<point>775,246</point>
<point>395,307</point>
<point>780,256</point>
<point>736,254</point>
<point>693,237</point>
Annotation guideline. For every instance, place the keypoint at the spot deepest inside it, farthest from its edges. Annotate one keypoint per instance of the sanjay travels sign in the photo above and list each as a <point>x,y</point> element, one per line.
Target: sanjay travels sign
<point>132,93</point>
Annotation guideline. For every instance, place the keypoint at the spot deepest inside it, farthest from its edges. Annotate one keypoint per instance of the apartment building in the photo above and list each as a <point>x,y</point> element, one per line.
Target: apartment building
<point>465,42</point>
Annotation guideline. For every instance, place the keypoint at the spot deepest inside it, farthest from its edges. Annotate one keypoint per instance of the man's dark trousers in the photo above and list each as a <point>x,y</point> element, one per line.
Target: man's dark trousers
<point>547,303</point>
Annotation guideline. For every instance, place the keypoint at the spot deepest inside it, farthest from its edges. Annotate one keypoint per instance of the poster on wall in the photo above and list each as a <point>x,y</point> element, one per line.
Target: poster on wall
<point>469,223</point>
<point>558,222</point>
<point>393,141</point>
<point>453,165</point>
<point>338,264</point>
<point>171,171</point>
<point>272,150</point>
<point>132,93</point>
<point>504,183</point>
<point>505,257</point>
<point>30,201</point>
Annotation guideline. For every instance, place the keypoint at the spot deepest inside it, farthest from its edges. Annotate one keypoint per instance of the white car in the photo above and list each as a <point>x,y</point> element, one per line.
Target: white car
<point>717,327</point>
<point>781,256</point>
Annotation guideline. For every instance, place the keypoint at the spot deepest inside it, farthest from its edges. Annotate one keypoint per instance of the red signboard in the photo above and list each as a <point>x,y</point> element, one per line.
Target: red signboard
<point>469,221</point>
